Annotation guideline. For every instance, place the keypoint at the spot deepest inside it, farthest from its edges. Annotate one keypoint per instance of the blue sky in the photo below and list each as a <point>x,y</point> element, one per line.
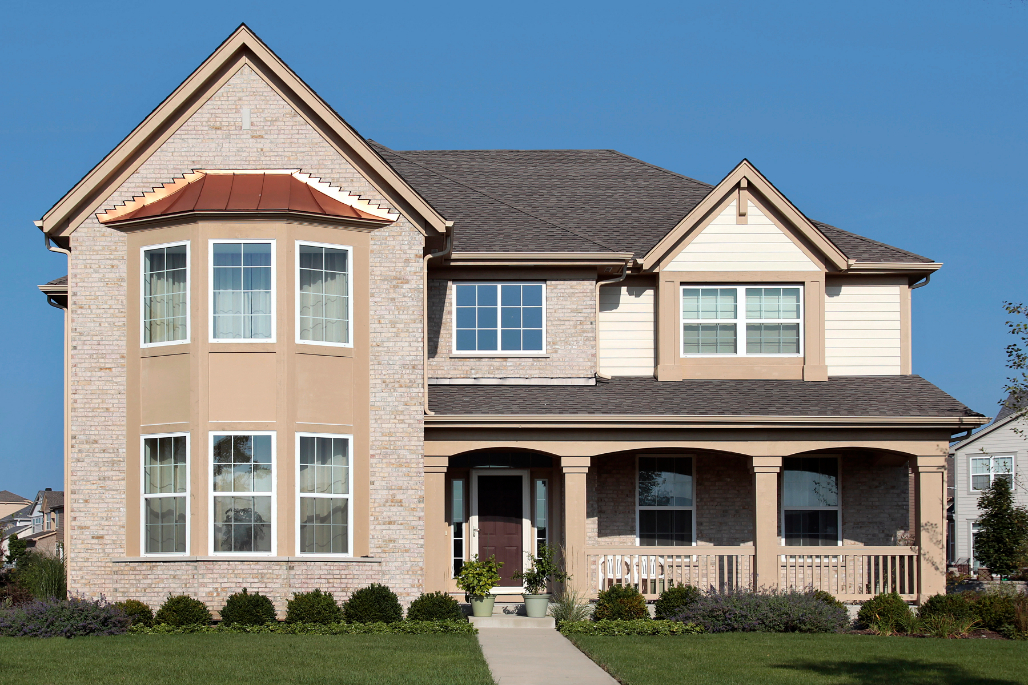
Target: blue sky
<point>903,122</point>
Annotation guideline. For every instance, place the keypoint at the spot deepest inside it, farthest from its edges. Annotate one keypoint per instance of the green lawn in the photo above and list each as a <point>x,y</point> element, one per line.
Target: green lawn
<point>758,658</point>
<point>216,659</point>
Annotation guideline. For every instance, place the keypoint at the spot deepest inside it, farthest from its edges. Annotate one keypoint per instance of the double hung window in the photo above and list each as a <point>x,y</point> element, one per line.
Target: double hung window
<point>742,320</point>
<point>165,493</point>
<point>985,470</point>
<point>323,294</point>
<point>499,317</point>
<point>242,290</point>
<point>165,294</point>
<point>324,498</point>
<point>810,501</point>
<point>665,491</point>
<point>242,493</point>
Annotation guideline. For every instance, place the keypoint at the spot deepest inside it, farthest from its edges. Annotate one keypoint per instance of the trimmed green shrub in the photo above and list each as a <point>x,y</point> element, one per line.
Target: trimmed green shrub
<point>995,610</point>
<point>313,607</point>
<point>766,611</point>
<point>955,606</point>
<point>887,608</point>
<point>435,606</point>
<point>827,598</point>
<point>373,604</point>
<point>398,628</point>
<point>183,610</point>
<point>620,603</point>
<point>636,627</point>
<point>138,613</point>
<point>64,618</point>
<point>675,599</point>
<point>243,608</point>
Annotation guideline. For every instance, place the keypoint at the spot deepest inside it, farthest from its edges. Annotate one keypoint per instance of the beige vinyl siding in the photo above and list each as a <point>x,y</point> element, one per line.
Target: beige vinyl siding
<point>862,330</point>
<point>626,327</point>
<point>758,245</point>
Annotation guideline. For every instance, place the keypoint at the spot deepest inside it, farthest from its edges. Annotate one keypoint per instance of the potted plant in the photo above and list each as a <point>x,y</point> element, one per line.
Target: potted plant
<point>476,578</point>
<point>543,569</point>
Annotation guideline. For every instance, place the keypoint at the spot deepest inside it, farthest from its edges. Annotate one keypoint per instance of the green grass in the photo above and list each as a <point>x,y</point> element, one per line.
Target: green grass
<point>759,658</point>
<point>252,659</point>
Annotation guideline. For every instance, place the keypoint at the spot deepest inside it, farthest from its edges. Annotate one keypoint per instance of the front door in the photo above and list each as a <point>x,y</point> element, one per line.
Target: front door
<point>500,521</point>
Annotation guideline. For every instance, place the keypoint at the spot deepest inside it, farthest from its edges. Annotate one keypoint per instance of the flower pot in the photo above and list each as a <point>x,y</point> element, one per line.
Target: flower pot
<point>482,606</point>
<point>536,605</point>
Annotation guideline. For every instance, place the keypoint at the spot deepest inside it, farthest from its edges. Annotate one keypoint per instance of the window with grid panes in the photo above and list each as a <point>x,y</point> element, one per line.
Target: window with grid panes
<point>499,317</point>
<point>324,485</point>
<point>242,300</point>
<point>665,504</point>
<point>165,499</point>
<point>741,320</point>
<point>985,469</point>
<point>165,294</point>
<point>324,294</point>
<point>242,485</point>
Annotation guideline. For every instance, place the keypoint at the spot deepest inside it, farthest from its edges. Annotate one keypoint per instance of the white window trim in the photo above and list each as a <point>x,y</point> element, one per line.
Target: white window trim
<point>348,496</point>
<point>143,496</point>
<point>349,291</point>
<point>142,295</point>
<point>781,505</point>
<point>273,494</point>
<point>638,507</point>
<point>496,352</point>
<point>210,292</point>
<point>740,320</point>
<point>992,469</point>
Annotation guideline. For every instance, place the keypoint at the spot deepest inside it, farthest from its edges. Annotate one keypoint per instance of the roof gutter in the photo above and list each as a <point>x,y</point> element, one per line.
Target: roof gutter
<point>447,248</point>
<point>696,421</point>
<point>596,315</point>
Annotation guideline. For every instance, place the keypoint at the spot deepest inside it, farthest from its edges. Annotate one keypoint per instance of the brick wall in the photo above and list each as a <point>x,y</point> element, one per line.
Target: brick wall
<point>875,501</point>
<point>724,500</point>
<point>213,138</point>
<point>610,500</point>
<point>570,337</point>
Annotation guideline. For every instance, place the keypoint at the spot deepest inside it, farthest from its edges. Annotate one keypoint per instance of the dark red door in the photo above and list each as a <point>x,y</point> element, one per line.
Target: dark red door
<point>499,523</point>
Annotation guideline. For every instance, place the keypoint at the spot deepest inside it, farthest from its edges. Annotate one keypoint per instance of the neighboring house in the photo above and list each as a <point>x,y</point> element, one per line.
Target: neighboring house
<point>45,531</point>
<point>16,523</point>
<point>10,503</point>
<point>298,359</point>
<point>1000,450</point>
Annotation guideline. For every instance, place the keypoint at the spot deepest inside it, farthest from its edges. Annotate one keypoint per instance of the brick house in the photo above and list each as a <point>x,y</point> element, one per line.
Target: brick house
<point>297,358</point>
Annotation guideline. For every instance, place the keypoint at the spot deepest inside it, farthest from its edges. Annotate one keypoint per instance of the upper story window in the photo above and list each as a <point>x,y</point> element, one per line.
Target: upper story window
<point>165,294</point>
<point>665,506</point>
<point>242,290</point>
<point>242,492</point>
<point>810,501</point>
<point>165,493</point>
<point>499,317</point>
<point>984,470</point>
<point>742,321</point>
<point>323,274</point>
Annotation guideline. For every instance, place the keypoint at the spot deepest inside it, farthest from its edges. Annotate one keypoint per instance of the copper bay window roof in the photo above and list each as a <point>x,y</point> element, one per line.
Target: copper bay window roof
<point>227,191</point>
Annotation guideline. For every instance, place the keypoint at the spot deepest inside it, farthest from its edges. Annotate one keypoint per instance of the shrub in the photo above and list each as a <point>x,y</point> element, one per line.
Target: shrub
<point>995,610</point>
<point>828,598</point>
<point>43,574</point>
<point>373,604</point>
<point>313,607</point>
<point>543,570</point>
<point>479,576</point>
<point>946,626</point>
<point>12,593</point>
<point>248,610</point>
<point>569,605</point>
<point>183,610</point>
<point>768,611</point>
<point>887,608</point>
<point>674,600</point>
<point>435,606</point>
<point>137,612</point>
<point>64,618</point>
<point>398,628</point>
<point>620,603</point>
<point>955,606</point>
<point>638,627</point>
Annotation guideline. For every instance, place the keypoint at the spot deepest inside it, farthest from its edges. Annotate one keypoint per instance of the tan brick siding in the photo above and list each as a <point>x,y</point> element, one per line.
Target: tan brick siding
<point>278,139</point>
<point>570,337</point>
<point>724,500</point>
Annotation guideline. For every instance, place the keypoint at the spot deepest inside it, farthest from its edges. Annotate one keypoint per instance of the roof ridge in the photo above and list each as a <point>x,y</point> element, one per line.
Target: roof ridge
<point>503,202</point>
<point>867,240</point>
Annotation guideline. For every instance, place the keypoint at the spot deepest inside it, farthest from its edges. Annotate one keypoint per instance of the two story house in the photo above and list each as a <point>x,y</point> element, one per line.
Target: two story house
<point>299,359</point>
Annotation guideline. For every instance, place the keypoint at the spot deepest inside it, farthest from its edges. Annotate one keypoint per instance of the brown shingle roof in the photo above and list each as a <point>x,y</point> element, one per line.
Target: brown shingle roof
<point>570,201</point>
<point>840,396</point>
<point>7,497</point>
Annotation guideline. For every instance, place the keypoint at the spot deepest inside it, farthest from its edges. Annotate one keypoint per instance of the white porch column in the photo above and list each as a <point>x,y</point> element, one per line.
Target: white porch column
<point>575,471</point>
<point>765,523</point>
<point>930,516</point>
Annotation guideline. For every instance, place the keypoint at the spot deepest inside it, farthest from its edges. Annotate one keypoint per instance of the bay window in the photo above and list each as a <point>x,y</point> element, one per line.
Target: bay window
<point>165,493</point>
<point>741,321</point>
<point>165,293</point>
<point>242,492</point>
<point>665,501</point>
<point>324,485</point>
<point>499,317</point>
<point>242,290</point>
<point>810,501</point>
<point>323,284</point>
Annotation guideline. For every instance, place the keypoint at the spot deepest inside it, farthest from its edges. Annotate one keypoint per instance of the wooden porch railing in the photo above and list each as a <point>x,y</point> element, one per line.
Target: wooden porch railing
<point>652,569</point>
<point>850,572</point>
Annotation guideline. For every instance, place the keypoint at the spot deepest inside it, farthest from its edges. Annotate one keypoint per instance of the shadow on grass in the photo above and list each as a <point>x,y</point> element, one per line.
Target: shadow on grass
<point>899,671</point>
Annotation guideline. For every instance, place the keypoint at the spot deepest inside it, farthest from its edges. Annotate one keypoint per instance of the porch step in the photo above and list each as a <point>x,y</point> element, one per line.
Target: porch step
<point>512,621</point>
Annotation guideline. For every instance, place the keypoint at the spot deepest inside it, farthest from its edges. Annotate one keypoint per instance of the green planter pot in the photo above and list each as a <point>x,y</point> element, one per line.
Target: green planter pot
<point>536,605</point>
<point>482,606</point>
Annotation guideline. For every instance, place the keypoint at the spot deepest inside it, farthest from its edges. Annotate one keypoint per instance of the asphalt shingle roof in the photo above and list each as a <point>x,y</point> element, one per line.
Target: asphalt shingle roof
<point>863,396</point>
<point>6,496</point>
<point>569,201</point>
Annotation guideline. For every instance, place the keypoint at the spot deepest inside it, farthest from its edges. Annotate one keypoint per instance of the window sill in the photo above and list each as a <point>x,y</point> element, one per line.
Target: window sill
<point>174,558</point>
<point>500,355</point>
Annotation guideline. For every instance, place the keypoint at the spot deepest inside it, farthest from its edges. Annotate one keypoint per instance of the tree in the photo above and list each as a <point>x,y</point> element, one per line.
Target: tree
<point>1017,360</point>
<point>16,549</point>
<point>1003,529</point>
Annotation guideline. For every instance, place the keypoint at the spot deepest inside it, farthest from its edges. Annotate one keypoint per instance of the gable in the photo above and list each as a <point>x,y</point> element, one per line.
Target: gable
<point>726,245</point>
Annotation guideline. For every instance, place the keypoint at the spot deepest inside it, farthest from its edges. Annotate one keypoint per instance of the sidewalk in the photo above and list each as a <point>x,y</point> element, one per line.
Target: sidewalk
<point>537,656</point>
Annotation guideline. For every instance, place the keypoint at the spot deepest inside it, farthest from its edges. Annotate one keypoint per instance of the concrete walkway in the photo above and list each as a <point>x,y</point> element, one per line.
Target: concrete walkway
<point>537,656</point>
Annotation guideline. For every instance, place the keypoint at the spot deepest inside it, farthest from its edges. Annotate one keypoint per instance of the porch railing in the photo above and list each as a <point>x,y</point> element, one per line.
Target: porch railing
<point>851,572</point>
<point>652,569</point>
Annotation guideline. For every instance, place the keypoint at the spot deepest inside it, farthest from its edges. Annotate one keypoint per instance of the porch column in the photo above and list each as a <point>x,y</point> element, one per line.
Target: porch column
<point>765,524</point>
<point>436,531</point>
<point>575,471</point>
<point>930,532</point>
